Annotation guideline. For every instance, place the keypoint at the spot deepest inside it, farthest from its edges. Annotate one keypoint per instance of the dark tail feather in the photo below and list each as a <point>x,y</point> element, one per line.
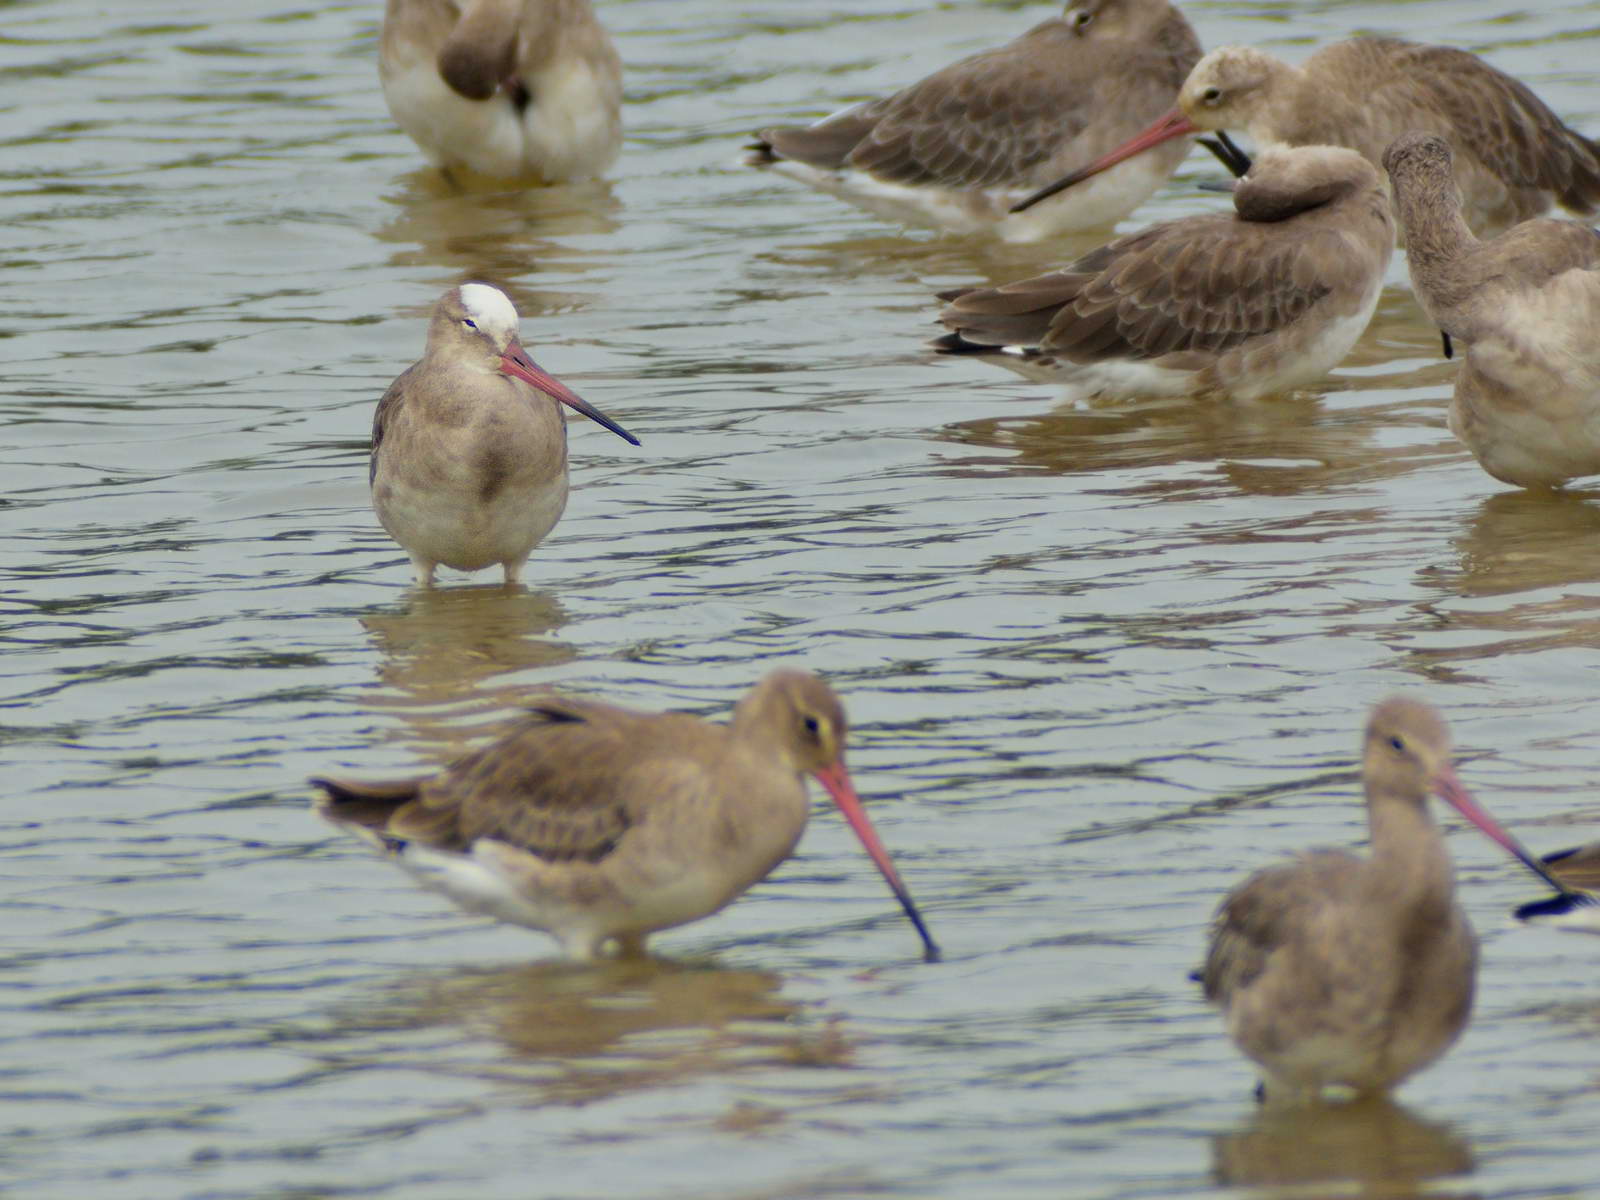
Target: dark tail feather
<point>1556,906</point>
<point>369,805</point>
<point>954,343</point>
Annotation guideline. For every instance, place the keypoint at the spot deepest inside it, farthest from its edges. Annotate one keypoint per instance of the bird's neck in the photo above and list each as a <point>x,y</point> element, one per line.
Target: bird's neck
<point>1437,236</point>
<point>1408,851</point>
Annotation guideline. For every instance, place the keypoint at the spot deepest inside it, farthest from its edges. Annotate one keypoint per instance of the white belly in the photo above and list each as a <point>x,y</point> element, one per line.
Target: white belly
<point>570,131</point>
<point>458,528</point>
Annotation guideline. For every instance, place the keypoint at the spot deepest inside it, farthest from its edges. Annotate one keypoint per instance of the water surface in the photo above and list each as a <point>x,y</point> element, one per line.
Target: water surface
<point>1100,662</point>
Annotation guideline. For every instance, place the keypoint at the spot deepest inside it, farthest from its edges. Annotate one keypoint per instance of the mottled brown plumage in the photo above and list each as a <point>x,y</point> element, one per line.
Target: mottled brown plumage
<point>1515,158</point>
<point>593,822</point>
<point>1578,867</point>
<point>1258,301</point>
<point>1524,307</point>
<point>1337,970</point>
<point>957,148</point>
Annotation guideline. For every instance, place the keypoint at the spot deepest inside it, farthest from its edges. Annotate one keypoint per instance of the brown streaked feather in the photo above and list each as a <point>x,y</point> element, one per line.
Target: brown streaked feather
<point>989,119</point>
<point>1578,867</point>
<point>826,144</point>
<point>1534,252</point>
<point>1493,116</point>
<point>369,805</point>
<point>1002,116</point>
<point>1195,284</point>
<point>1309,223</point>
<point>551,788</point>
<point>1263,914</point>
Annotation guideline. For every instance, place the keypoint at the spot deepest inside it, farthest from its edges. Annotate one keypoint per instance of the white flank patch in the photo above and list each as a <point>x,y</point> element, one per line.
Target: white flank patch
<point>473,885</point>
<point>1096,203</point>
<point>1311,362</point>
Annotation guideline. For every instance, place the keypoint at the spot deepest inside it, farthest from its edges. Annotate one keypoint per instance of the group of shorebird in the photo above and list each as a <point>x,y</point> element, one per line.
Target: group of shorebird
<point>601,825</point>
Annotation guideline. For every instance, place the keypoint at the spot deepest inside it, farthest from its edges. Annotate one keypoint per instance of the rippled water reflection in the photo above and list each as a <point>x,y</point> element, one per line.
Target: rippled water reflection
<point>1100,660</point>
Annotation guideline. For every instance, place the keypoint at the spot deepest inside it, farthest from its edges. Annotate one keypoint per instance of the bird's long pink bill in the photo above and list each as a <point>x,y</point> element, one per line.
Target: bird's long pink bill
<point>515,361</point>
<point>837,781</point>
<point>1174,124</point>
<point>1453,793</point>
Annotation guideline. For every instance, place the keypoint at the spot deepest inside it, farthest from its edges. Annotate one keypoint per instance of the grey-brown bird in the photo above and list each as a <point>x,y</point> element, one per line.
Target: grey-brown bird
<point>469,447</point>
<point>1250,303</point>
<point>1340,971</point>
<point>1525,308</point>
<point>595,823</point>
<point>959,148</point>
<point>518,91</point>
<point>1515,158</point>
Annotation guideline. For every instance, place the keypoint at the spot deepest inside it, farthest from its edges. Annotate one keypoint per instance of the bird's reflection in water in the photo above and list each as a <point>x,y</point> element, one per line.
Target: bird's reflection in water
<point>580,1033</point>
<point>1072,439</point>
<point>1372,1144</point>
<point>447,657</point>
<point>929,264</point>
<point>1522,581</point>
<point>495,235</point>
<point>1522,541</point>
<point>1341,432</point>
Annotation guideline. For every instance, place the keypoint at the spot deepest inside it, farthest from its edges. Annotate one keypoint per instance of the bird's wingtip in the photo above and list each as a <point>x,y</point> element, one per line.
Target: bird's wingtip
<point>1569,908</point>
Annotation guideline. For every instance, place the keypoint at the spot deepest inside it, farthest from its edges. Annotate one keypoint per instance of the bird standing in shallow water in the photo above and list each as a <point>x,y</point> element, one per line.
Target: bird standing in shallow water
<point>469,447</point>
<point>956,150</point>
<point>1515,157</point>
<point>1252,303</point>
<point>1525,307</point>
<point>596,823</point>
<point>1339,971</point>
<point>524,91</point>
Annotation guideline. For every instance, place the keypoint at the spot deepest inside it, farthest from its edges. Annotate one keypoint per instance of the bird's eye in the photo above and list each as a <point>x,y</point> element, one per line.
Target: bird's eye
<point>1082,18</point>
<point>1398,743</point>
<point>813,726</point>
<point>469,322</point>
<point>1211,95</point>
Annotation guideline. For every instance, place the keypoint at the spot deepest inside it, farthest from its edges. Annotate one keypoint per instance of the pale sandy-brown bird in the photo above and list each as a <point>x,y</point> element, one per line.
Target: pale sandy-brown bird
<point>595,823</point>
<point>516,91</point>
<point>469,447</point>
<point>1525,306</point>
<point>1251,303</point>
<point>1514,157</point>
<point>1340,971</point>
<point>958,149</point>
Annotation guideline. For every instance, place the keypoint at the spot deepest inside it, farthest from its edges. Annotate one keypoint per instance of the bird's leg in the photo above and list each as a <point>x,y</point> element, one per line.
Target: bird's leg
<point>630,945</point>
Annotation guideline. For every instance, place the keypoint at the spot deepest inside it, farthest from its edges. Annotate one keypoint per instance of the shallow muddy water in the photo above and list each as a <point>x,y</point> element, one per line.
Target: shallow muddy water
<point>1100,662</point>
